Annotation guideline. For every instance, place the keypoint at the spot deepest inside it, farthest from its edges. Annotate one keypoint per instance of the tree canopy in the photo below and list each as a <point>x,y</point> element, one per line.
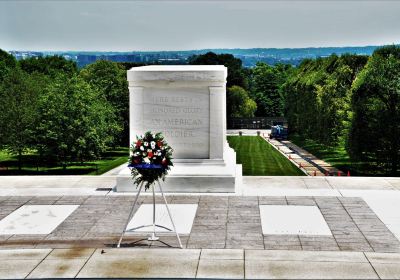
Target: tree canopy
<point>266,84</point>
<point>239,104</point>
<point>7,62</point>
<point>317,97</point>
<point>49,107</point>
<point>109,79</point>
<point>237,74</point>
<point>19,93</point>
<point>49,65</point>
<point>75,120</point>
<point>375,127</point>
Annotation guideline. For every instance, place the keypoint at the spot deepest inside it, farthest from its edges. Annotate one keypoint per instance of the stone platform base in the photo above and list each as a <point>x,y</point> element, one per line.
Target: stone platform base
<point>195,176</point>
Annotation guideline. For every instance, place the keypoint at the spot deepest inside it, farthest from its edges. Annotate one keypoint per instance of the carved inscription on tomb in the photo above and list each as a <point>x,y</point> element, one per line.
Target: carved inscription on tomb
<point>183,115</point>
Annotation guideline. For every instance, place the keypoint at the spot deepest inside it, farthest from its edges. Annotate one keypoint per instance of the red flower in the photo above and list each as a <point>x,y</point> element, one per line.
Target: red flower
<point>159,144</point>
<point>164,162</point>
<point>138,143</point>
<point>150,154</point>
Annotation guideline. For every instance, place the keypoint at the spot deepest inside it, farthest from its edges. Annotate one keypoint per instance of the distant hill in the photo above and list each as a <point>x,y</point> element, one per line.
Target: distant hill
<point>249,56</point>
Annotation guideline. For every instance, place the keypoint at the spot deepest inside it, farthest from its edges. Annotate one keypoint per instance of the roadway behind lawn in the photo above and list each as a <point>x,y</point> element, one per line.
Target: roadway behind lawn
<point>259,158</point>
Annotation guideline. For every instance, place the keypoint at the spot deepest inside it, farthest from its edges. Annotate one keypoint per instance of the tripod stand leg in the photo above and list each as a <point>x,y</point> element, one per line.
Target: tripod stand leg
<point>153,236</point>
<point>130,214</point>
<point>169,213</point>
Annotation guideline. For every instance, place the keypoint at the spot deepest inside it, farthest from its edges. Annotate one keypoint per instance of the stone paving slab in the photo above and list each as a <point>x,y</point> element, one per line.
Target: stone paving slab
<point>16,269</point>
<point>206,263</point>
<point>222,269</point>
<point>257,269</point>
<point>53,268</point>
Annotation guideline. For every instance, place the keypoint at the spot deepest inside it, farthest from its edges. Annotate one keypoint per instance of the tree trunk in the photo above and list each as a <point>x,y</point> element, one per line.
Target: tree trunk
<point>19,160</point>
<point>395,164</point>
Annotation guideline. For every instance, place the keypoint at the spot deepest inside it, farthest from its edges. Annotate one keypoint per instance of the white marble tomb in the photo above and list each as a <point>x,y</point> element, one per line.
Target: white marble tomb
<point>188,105</point>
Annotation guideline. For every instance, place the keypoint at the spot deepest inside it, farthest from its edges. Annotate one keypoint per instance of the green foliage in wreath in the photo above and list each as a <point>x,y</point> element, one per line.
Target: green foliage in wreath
<point>150,160</point>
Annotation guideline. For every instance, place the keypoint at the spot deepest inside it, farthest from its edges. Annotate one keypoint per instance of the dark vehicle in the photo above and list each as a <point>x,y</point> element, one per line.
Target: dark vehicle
<point>278,132</point>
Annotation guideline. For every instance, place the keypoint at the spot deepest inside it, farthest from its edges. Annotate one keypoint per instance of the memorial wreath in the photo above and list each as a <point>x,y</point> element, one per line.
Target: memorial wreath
<point>151,158</point>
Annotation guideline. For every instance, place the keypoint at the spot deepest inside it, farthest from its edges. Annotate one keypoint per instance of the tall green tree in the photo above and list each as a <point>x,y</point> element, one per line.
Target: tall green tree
<point>266,86</point>
<point>375,130</point>
<point>237,74</point>
<point>109,79</point>
<point>239,104</point>
<point>19,93</point>
<point>76,121</point>
<point>317,97</point>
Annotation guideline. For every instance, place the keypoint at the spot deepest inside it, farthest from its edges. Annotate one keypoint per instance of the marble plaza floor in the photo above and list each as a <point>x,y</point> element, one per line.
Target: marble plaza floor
<point>273,227</point>
<point>220,222</point>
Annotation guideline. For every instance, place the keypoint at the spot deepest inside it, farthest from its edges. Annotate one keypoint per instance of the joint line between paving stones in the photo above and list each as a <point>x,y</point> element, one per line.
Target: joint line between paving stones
<point>340,191</point>
<point>79,271</point>
<point>38,264</point>
<point>345,209</point>
<point>373,268</point>
<point>327,181</point>
<point>198,264</point>
<point>301,244</point>
<point>9,237</point>
<point>393,186</point>
<point>226,221</point>
<point>244,262</point>
<point>57,200</point>
<point>262,234</point>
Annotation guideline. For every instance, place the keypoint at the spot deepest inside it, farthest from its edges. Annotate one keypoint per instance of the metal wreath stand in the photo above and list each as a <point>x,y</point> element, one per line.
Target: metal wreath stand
<point>153,236</point>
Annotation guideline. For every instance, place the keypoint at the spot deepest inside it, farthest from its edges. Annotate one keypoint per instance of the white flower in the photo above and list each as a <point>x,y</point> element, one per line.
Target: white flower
<point>153,144</point>
<point>141,148</point>
<point>149,150</point>
<point>146,160</point>
<point>146,144</point>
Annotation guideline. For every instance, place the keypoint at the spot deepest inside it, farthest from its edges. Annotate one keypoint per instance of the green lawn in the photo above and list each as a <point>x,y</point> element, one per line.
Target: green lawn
<point>259,158</point>
<point>336,156</point>
<point>30,165</point>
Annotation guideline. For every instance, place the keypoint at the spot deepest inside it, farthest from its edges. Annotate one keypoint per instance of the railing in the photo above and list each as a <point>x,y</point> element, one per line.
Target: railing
<point>255,123</point>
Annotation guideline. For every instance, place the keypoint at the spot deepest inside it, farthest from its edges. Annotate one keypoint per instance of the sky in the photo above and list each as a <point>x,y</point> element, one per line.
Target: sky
<point>100,25</point>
